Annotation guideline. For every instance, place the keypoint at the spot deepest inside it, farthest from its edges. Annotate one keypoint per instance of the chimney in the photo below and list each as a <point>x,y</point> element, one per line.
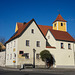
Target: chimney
<point>24,23</point>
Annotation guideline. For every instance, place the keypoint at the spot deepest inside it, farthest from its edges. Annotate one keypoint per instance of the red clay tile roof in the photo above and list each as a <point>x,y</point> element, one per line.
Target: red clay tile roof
<point>60,18</point>
<point>50,47</point>
<point>20,31</point>
<point>20,25</point>
<point>61,35</point>
<point>44,28</point>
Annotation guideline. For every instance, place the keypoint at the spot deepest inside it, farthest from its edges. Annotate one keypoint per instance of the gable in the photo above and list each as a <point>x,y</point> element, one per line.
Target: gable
<point>51,39</point>
<point>27,34</point>
<point>21,30</point>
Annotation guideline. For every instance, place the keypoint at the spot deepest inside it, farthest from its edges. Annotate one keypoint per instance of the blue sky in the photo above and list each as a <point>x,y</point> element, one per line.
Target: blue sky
<point>43,11</point>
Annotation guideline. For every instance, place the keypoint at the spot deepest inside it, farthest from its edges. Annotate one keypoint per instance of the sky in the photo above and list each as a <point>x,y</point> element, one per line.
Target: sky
<point>43,11</point>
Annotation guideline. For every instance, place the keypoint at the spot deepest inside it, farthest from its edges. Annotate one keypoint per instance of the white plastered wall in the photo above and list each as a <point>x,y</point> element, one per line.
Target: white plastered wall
<point>27,35</point>
<point>63,57</point>
<point>10,50</point>
<point>51,40</point>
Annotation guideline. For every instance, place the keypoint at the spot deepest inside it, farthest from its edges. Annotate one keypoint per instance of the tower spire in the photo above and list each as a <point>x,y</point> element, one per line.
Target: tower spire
<point>59,11</point>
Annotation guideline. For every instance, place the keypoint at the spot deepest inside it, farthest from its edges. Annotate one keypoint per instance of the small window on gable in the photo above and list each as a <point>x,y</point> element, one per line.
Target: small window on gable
<point>62,45</point>
<point>32,31</point>
<point>27,42</point>
<point>69,46</point>
<point>54,25</point>
<point>21,52</point>
<point>61,24</point>
<point>48,37</point>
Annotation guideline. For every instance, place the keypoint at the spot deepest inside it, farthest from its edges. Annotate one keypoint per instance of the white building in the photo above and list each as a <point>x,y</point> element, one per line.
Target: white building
<point>30,36</point>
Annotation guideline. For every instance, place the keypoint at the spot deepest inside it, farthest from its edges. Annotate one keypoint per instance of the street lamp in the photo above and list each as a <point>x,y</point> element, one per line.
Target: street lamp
<point>34,57</point>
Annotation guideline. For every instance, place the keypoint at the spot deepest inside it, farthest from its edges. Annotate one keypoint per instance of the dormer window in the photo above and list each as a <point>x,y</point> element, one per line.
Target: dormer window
<point>32,31</point>
<point>61,24</point>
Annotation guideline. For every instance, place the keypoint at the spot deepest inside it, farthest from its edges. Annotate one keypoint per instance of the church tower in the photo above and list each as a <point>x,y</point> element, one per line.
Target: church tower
<point>60,24</point>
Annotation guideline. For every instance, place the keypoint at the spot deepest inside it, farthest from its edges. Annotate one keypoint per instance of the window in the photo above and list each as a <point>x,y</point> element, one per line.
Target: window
<point>37,56</point>
<point>69,46</point>
<point>7,56</point>
<point>14,54</point>
<point>61,24</point>
<point>54,25</point>
<point>64,23</point>
<point>14,43</point>
<point>38,43</point>
<point>27,55</point>
<point>27,42</point>
<point>8,46</point>
<point>21,52</point>
<point>48,37</point>
<point>10,56</point>
<point>61,45</point>
<point>11,44</point>
<point>32,31</point>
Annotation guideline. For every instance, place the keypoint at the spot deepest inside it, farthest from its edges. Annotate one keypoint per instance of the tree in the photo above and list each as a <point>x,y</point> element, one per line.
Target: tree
<point>47,57</point>
<point>2,42</point>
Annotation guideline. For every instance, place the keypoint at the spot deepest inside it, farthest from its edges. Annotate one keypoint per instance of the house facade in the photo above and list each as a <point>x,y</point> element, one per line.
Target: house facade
<point>30,39</point>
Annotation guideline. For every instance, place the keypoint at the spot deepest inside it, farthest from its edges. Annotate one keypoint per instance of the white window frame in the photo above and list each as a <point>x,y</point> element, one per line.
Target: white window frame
<point>38,43</point>
<point>32,31</point>
<point>27,42</point>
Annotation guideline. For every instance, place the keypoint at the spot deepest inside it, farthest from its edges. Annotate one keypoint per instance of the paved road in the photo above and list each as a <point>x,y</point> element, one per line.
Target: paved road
<point>37,72</point>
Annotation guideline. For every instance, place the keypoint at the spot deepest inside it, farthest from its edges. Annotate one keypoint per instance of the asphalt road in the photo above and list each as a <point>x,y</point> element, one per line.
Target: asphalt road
<point>38,72</point>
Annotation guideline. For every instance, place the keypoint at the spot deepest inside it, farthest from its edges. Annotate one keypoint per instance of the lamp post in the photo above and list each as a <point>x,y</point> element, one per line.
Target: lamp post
<point>34,57</point>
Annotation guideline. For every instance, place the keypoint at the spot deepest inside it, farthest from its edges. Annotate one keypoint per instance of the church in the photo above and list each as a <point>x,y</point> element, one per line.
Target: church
<point>30,39</point>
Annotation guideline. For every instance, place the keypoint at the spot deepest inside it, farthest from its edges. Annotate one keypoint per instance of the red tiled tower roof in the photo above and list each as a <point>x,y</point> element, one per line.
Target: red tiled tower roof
<point>59,18</point>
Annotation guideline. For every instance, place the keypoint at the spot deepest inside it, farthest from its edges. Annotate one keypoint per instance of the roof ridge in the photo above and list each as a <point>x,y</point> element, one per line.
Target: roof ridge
<point>45,25</point>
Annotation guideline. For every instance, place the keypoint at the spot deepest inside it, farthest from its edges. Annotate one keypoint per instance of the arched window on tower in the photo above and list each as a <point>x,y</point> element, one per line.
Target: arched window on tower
<point>61,24</point>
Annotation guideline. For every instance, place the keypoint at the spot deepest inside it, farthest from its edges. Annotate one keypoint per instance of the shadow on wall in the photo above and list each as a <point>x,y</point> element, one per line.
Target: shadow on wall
<point>50,62</point>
